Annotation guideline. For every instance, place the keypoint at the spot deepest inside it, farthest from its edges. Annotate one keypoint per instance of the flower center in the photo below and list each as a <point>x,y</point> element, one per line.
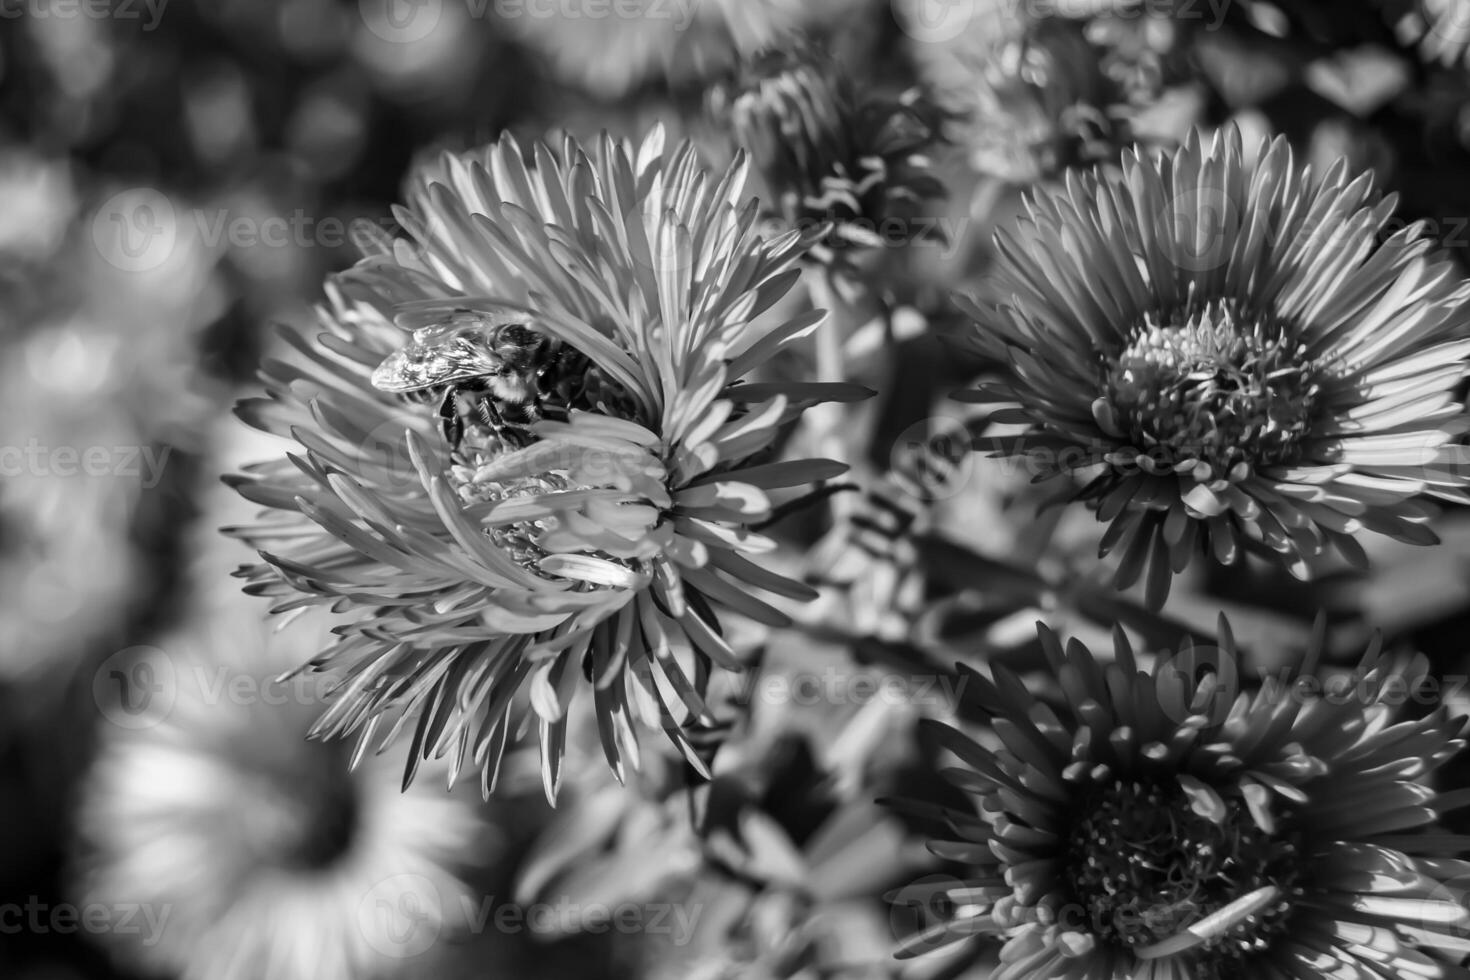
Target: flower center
<point>518,540</point>
<point>1144,866</point>
<point>1216,393</point>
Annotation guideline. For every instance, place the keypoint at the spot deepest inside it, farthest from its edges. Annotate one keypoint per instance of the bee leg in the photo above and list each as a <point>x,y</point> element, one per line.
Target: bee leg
<point>488,414</point>
<point>449,419</point>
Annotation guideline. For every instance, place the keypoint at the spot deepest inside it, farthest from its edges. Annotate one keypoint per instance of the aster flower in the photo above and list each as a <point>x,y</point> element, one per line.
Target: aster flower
<point>1243,355</point>
<point>250,851</point>
<point>1158,824</point>
<point>832,153</point>
<point>595,544</point>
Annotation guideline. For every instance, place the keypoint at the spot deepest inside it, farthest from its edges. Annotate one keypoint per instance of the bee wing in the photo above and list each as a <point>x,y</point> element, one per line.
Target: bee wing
<point>420,366</point>
<point>441,315</point>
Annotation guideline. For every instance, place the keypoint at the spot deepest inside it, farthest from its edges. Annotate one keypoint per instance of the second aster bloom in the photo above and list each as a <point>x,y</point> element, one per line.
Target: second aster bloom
<point>1157,825</point>
<point>570,525</point>
<point>1240,353</point>
<point>831,152</point>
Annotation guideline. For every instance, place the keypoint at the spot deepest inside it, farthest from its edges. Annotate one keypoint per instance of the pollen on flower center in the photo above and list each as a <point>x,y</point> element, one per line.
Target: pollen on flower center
<point>571,509</point>
<point>1144,866</point>
<point>518,540</point>
<point>1217,388</point>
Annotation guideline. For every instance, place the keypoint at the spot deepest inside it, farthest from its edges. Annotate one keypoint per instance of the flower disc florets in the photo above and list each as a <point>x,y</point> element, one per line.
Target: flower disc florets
<point>1216,392</point>
<point>1144,863</point>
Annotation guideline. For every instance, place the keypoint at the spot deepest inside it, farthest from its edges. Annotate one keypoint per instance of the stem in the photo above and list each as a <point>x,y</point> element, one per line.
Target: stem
<point>828,420</point>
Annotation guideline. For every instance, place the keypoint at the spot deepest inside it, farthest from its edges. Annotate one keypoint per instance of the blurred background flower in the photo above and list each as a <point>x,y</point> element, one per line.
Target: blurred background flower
<point>245,850</point>
<point>832,148</point>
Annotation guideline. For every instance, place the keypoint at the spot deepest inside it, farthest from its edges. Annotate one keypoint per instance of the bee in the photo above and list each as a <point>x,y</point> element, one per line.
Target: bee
<point>492,368</point>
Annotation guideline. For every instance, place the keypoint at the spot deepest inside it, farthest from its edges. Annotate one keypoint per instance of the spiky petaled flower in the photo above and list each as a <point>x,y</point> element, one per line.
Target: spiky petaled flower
<point>1158,824</point>
<point>833,153</point>
<point>1040,104</point>
<point>1239,350</point>
<point>600,550</point>
<point>248,851</point>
